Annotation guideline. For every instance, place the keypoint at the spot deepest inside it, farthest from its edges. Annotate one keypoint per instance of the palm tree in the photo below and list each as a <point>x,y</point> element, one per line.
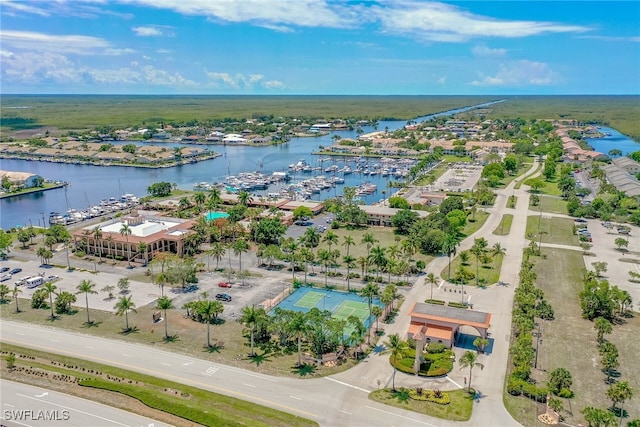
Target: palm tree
<point>109,240</point>
<point>324,256</point>
<point>451,242</point>
<point>376,310</point>
<point>97,235</point>
<point>217,250</point>
<point>369,240</point>
<point>395,346</point>
<point>14,294</point>
<point>596,417</point>
<point>619,393</point>
<point>86,286</point>
<point>470,360</point>
<point>210,310</point>
<point>477,252</point>
<point>251,316</point>
<point>214,198</point>
<point>184,204</point>
<point>498,250</point>
<point>126,231</point>
<point>432,280</point>
<point>347,241</point>
<point>330,238</point>
<point>298,325</point>
<point>307,256</point>
<point>123,306</point>
<point>199,198</point>
<point>603,326</point>
<point>357,334</point>
<point>50,290</point>
<point>311,238</point>
<point>164,304</point>
<point>290,246</point>
<point>377,258</point>
<point>370,291</point>
<point>350,262</point>
<point>239,247</point>
<point>244,198</point>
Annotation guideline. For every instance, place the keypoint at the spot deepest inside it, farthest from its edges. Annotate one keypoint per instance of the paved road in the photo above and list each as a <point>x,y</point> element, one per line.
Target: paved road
<point>26,405</point>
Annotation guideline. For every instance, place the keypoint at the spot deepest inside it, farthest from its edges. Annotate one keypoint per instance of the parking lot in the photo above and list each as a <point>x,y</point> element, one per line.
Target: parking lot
<point>458,177</point>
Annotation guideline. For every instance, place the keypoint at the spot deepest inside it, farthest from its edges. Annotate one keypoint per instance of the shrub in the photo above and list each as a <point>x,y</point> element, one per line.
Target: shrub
<point>434,301</point>
<point>81,254</point>
<point>457,304</point>
<point>566,393</point>
<point>436,348</point>
<point>435,396</point>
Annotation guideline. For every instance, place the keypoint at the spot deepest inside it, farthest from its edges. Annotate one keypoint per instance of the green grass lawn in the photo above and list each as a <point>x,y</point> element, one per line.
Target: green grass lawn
<point>559,275</point>
<point>459,409</point>
<point>474,222</point>
<point>524,178</point>
<point>191,337</point>
<point>191,403</point>
<point>521,171</point>
<point>452,158</point>
<point>385,235</point>
<point>504,227</point>
<point>554,230</point>
<point>551,204</point>
<point>487,274</point>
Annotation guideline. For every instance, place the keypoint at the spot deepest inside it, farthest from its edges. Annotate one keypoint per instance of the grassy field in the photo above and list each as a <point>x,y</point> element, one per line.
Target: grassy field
<point>80,112</point>
<point>487,274</point>
<point>504,227</point>
<point>554,230</point>
<point>474,225</point>
<point>524,178</point>
<point>619,112</point>
<point>552,204</point>
<point>160,395</point>
<point>521,171</point>
<point>459,409</point>
<point>560,277</point>
<point>191,337</point>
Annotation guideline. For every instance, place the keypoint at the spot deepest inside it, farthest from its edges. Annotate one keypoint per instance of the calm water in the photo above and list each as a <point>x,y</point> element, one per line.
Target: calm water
<point>90,184</point>
<point>614,140</point>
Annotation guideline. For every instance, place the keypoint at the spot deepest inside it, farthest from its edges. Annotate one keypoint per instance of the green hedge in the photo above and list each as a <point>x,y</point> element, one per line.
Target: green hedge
<point>457,305</point>
<point>517,387</point>
<point>434,365</point>
<point>429,396</point>
<point>434,301</point>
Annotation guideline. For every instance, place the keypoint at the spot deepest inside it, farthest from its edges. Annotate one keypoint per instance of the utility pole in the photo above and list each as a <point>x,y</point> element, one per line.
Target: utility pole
<point>538,335</point>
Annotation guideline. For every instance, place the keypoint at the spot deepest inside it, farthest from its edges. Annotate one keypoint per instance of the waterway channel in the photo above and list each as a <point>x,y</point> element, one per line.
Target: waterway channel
<point>90,184</point>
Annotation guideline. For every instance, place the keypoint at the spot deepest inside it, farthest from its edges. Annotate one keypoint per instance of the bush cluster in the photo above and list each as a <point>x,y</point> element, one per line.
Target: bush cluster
<point>435,396</point>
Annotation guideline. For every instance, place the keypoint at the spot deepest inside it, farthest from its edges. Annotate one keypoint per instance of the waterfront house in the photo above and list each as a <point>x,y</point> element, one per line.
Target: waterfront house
<point>19,180</point>
<point>382,215</point>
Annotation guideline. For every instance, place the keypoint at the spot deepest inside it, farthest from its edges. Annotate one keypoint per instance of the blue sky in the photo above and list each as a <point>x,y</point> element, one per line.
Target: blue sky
<point>280,47</point>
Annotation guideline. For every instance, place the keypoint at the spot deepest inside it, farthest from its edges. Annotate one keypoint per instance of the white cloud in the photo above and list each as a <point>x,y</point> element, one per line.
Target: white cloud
<point>164,51</point>
<point>482,51</point>
<point>117,52</point>
<point>440,22</point>
<point>240,81</point>
<point>613,39</point>
<point>51,67</point>
<point>23,7</point>
<point>82,45</point>
<point>278,14</point>
<point>442,80</point>
<point>520,73</point>
<point>146,31</point>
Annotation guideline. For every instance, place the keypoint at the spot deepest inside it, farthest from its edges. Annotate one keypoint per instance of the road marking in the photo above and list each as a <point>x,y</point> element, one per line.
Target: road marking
<point>249,385</point>
<point>345,412</point>
<point>9,405</point>
<point>187,364</point>
<point>457,385</point>
<point>127,355</point>
<point>401,416</point>
<point>165,364</point>
<point>42,395</point>
<point>52,340</point>
<point>210,371</point>
<point>90,348</point>
<point>347,385</point>
<point>19,333</point>
<point>73,409</point>
<point>206,386</point>
<point>295,397</point>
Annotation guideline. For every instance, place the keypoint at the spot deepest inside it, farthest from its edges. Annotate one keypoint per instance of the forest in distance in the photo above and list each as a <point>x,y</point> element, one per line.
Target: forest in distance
<point>79,112</point>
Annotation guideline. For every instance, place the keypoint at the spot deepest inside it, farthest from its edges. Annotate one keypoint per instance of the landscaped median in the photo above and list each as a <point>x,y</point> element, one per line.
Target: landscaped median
<point>455,405</point>
<point>164,398</point>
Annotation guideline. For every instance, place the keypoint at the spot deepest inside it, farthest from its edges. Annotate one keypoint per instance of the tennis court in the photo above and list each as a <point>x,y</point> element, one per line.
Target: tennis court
<point>340,304</point>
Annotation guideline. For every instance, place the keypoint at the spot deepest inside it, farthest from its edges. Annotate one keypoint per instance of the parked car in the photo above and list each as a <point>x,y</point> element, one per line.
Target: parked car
<point>4,269</point>
<point>223,297</point>
<point>5,277</point>
<point>224,285</point>
<point>15,271</point>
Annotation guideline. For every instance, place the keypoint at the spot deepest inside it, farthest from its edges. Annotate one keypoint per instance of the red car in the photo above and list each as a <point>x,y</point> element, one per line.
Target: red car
<point>224,285</point>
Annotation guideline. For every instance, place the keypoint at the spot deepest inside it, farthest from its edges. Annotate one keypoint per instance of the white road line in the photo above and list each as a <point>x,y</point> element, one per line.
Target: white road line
<point>457,385</point>
<point>165,364</point>
<point>19,333</point>
<point>295,397</point>
<point>9,405</point>
<point>52,340</point>
<point>127,355</point>
<point>401,416</point>
<point>73,409</point>
<point>249,385</point>
<point>17,422</point>
<point>345,412</point>
<point>347,385</point>
<point>89,347</point>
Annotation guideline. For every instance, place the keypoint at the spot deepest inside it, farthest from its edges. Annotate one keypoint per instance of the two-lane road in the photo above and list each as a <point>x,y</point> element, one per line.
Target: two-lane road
<point>326,400</point>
